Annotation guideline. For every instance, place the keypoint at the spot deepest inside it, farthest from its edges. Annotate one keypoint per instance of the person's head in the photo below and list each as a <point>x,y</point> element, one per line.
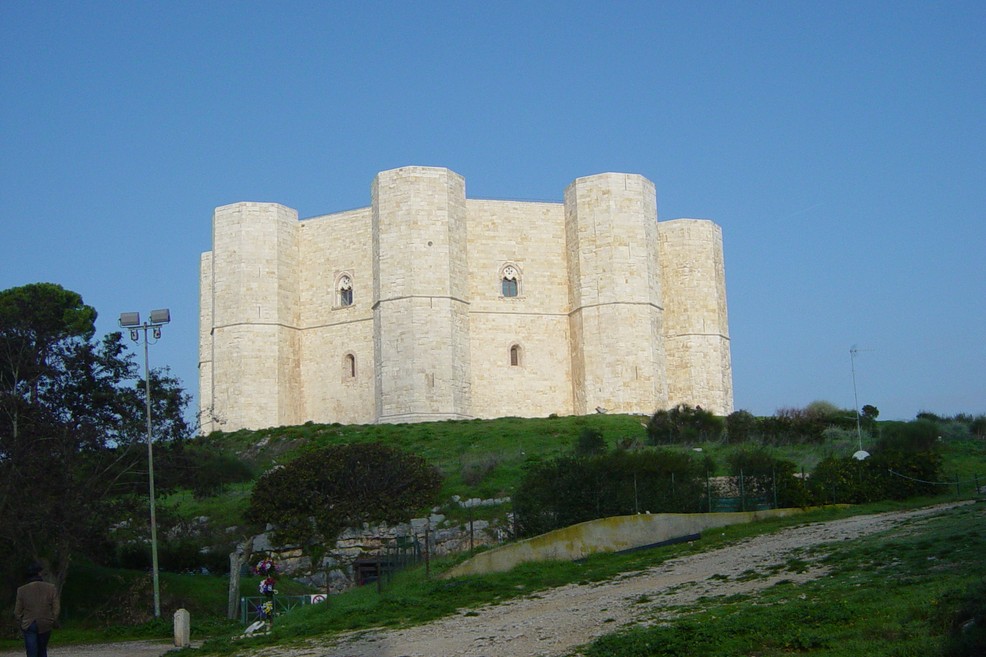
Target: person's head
<point>35,569</point>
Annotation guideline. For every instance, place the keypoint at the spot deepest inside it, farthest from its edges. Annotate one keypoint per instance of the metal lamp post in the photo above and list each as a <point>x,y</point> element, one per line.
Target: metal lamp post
<point>132,321</point>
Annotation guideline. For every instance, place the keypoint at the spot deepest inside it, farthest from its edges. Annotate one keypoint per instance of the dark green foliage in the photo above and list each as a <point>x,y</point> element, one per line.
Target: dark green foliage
<point>870,412</point>
<point>966,621</point>
<point>741,426</point>
<point>184,555</point>
<point>476,470</point>
<point>569,490</point>
<point>837,480</point>
<point>917,436</point>
<point>71,420</point>
<point>683,423</point>
<point>905,463</point>
<point>313,498</point>
<point>590,442</point>
<point>768,478</point>
<point>977,426</point>
<point>202,469</point>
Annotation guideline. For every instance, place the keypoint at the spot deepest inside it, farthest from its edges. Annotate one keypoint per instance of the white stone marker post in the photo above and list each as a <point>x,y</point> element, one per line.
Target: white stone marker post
<point>183,624</point>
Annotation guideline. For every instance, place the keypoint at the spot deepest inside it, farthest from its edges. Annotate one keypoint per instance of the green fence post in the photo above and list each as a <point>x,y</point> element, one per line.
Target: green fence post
<point>773,474</point>
<point>742,492</point>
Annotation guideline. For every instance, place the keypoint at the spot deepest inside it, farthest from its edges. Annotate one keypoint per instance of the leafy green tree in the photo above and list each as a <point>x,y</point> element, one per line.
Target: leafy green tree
<point>741,426</point>
<point>68,427</point>
<point>312,499</point>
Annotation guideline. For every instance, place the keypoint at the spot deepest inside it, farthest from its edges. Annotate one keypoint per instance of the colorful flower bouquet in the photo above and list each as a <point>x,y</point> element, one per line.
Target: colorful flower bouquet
<point>266,610</point>
<point>267,586</point>
<point>266,567</point>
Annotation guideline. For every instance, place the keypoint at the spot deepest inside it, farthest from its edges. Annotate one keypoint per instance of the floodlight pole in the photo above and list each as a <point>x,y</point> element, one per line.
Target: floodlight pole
<point>132,321</point>
<point>852,363</point>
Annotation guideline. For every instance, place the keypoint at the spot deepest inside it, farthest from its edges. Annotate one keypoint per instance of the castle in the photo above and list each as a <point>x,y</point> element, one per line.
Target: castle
<point>429,305</point>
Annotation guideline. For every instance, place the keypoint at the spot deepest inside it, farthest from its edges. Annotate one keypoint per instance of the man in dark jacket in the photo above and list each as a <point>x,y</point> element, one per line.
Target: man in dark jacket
<point>36,611</point>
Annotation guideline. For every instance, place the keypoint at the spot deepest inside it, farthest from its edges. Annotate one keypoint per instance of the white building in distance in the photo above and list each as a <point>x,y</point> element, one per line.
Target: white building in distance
<point>428,305</point>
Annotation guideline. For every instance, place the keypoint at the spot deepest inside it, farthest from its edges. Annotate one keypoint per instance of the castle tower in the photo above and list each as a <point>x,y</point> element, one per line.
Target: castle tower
<point>696,331</point>
<point>420,291</point>
<point>249,369</point>
<point>615,294</point>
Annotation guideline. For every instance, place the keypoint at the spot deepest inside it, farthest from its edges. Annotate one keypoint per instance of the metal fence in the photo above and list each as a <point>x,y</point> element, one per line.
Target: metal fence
<point>250,608</point>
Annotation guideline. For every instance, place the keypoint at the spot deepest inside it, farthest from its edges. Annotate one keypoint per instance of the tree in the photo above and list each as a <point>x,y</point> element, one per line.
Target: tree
<point>69,416</point>
<point>312,499</point>
<point>741,426</point>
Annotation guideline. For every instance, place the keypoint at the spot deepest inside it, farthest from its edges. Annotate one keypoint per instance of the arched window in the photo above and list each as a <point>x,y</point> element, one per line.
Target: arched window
<point>509,281</point>
<point>516,354</point>
<point>345,287</point>
<point>349,367</point>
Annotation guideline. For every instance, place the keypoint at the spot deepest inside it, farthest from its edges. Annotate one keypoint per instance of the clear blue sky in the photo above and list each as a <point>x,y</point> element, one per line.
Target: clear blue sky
<point>841,147</point>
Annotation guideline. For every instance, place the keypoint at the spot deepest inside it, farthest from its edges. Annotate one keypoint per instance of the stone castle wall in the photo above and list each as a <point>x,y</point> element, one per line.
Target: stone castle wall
<point>613,310</point>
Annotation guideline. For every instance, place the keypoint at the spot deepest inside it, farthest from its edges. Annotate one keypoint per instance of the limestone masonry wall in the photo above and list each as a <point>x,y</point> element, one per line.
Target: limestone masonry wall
<point>428,305</point>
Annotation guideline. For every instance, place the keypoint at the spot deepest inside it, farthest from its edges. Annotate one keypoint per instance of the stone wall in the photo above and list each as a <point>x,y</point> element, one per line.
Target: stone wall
<point>613,310</point>
<point>444,537</point>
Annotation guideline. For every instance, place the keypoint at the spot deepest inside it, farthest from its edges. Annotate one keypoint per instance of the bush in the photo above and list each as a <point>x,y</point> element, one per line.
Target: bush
<point>766,476</point>
<point>904,463</point>
<point>201,469</point>
<point>476,470</point>
<point>741,426</point>
<point>966,620</point>
<point>569,490</point>
<point>590,442</point>
<point>683,423</point>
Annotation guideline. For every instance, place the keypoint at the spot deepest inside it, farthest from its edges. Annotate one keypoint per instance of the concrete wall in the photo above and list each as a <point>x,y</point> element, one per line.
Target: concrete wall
<point>605,535</point>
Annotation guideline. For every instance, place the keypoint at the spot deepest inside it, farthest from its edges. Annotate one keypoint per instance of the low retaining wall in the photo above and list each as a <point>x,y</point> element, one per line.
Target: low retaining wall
<point>605,535</point>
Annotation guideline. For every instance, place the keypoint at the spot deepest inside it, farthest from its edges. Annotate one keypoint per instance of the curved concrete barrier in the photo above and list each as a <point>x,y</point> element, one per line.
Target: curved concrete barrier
<point>614,534</point>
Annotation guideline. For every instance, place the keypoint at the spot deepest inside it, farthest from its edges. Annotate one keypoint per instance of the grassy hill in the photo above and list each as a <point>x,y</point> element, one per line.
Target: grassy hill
<point>486,458</point>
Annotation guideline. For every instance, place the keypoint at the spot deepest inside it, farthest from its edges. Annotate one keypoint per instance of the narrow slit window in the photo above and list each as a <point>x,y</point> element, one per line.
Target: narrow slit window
<point>515,355</point>
<point>349,366</point>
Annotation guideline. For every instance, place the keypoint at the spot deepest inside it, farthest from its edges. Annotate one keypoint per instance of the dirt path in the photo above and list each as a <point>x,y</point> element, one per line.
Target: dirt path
<point>554,622</point>
<point>122,649</point>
